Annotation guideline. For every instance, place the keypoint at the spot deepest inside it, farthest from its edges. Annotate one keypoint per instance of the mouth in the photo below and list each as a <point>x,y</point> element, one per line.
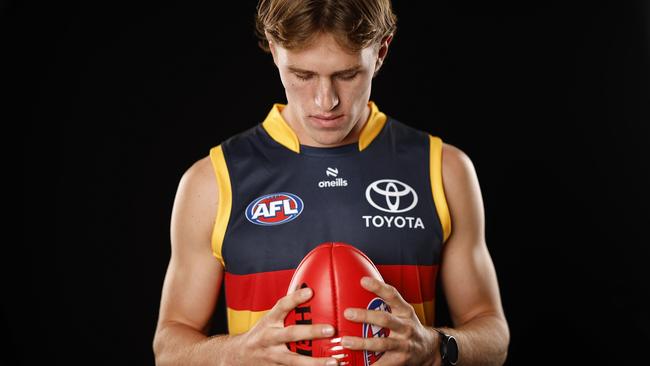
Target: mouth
<point>326,121</point>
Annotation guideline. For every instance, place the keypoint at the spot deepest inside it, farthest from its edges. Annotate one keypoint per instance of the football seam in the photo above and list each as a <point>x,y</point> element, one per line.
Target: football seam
<point>334,291</point>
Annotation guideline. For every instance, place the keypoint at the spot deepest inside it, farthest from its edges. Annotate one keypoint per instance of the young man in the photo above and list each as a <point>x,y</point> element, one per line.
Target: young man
<point>329,166</point>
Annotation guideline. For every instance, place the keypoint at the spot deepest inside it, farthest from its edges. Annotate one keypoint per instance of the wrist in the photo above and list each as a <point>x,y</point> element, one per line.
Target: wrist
<point>436,359</point>
<point>239,346</point>
<point>225,350</point>
<point>435,347</point>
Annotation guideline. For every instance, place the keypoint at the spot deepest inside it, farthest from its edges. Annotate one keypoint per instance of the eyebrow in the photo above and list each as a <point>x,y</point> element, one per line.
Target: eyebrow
<point>341,72</point>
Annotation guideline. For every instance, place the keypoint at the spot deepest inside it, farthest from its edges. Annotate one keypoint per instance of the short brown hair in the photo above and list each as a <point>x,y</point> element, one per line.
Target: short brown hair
<point>355,23</point>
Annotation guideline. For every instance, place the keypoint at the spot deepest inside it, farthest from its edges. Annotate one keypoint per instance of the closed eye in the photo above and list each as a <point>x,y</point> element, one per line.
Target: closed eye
<point>349,76</point>
<point>303,76</point>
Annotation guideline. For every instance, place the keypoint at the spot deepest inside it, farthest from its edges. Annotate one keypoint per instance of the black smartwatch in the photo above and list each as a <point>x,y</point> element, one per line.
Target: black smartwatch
<point>448,349</point>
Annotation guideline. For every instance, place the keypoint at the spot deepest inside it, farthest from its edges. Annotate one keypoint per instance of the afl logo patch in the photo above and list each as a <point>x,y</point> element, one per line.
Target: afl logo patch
<point>274,209</point>
<point>374,331</point>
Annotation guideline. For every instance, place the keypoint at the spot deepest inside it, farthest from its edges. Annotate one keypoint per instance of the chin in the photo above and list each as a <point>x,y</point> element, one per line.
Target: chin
<point>330,139</point>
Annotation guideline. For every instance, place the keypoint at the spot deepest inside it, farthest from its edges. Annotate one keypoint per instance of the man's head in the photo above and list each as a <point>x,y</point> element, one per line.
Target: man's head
<point>327,52</point>
<point>356,24</point>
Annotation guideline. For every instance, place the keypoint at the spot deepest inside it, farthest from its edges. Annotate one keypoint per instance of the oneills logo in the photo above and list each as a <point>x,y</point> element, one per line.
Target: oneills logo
<point>336,182</point>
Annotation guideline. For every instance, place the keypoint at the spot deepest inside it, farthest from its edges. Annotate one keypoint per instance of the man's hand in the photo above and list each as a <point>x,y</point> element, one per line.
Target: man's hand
<point>409,342</point>
<point>265,343</point>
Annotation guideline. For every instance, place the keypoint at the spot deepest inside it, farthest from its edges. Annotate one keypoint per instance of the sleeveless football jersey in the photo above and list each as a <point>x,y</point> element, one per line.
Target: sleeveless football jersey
<point>279,199</point>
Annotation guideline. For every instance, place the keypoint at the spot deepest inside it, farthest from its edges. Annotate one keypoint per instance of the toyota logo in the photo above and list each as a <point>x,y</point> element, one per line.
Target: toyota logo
<point>391,195</point>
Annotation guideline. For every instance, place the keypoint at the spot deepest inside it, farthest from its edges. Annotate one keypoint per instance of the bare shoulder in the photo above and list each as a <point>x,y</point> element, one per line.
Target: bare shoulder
<point>195,205</point>
<point>457,167</point>
<point>199,182</point>
<point>463,194</point>
<point>201,173</point>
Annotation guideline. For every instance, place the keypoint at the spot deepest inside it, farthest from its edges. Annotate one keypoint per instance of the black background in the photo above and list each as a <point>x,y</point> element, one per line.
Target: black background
<point>115,100</point>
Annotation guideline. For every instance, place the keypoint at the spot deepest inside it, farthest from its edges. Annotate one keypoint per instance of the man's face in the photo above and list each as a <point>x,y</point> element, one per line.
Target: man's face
<point>327,88</point>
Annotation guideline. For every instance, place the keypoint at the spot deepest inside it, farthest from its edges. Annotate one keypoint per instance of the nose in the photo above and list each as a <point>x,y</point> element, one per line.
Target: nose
<point>326,96</point>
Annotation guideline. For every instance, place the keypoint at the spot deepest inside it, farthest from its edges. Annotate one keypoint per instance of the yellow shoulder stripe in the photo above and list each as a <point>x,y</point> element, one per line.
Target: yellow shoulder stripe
<point>224,203</point>
<point>437,187</point>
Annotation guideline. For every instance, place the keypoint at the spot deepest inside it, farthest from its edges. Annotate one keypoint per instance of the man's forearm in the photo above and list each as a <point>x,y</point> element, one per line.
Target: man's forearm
<point>482,341</point>
<point>179,344</point>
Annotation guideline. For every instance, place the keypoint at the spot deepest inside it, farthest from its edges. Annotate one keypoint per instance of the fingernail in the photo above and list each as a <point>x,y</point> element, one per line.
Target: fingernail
<point>328,331</point>
<point>331,362</point>
<point>349,314</point>
<point>366,281</point>
<point>306,293</point>
<point>345,342</point>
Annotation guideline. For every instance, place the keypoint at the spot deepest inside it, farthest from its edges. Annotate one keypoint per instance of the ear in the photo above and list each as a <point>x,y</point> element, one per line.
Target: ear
<point>383,51</point>
<point>383,46</point>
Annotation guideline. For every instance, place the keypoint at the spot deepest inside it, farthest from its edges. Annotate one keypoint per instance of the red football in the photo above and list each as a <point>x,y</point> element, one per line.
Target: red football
<point>333,271</point>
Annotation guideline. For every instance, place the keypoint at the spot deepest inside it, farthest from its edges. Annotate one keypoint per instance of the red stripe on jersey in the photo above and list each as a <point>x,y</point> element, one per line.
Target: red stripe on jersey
<point>415,283</point>
<point>257,291</point>
<point>260,291</point>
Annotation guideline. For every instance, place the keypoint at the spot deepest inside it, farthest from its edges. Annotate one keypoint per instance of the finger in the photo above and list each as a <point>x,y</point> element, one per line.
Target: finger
<point>288,303</point>
<point>294,333</point>
<point>375,317</point>
<point>391,359</point>
<point>375,344</point>
<point>387,292</point>
<point>282,356</point>
<point>294,359</point>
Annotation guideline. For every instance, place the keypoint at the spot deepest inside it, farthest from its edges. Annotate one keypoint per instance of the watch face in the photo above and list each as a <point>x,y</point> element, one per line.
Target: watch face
<point>452,350</point>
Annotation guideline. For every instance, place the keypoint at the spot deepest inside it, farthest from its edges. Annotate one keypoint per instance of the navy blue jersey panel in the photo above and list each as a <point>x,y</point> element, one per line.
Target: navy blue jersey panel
<point>285,203</point>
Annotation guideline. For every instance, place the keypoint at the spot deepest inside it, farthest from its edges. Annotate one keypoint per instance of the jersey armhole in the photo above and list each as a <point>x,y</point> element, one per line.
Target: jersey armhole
<point>224,204</point>
<point>437,187</point>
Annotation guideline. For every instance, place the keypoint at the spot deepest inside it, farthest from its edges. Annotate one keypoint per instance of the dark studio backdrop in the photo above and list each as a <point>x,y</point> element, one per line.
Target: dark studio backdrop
<point>117,99</point>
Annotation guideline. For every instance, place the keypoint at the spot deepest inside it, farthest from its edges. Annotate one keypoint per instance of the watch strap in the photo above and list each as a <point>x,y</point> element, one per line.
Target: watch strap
<point>444,348</point>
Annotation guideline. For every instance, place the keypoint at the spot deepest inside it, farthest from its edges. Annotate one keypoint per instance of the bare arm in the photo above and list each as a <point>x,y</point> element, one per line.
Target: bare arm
<point>467,272</point>
<point>194,276</point>
<point>191,289</point>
